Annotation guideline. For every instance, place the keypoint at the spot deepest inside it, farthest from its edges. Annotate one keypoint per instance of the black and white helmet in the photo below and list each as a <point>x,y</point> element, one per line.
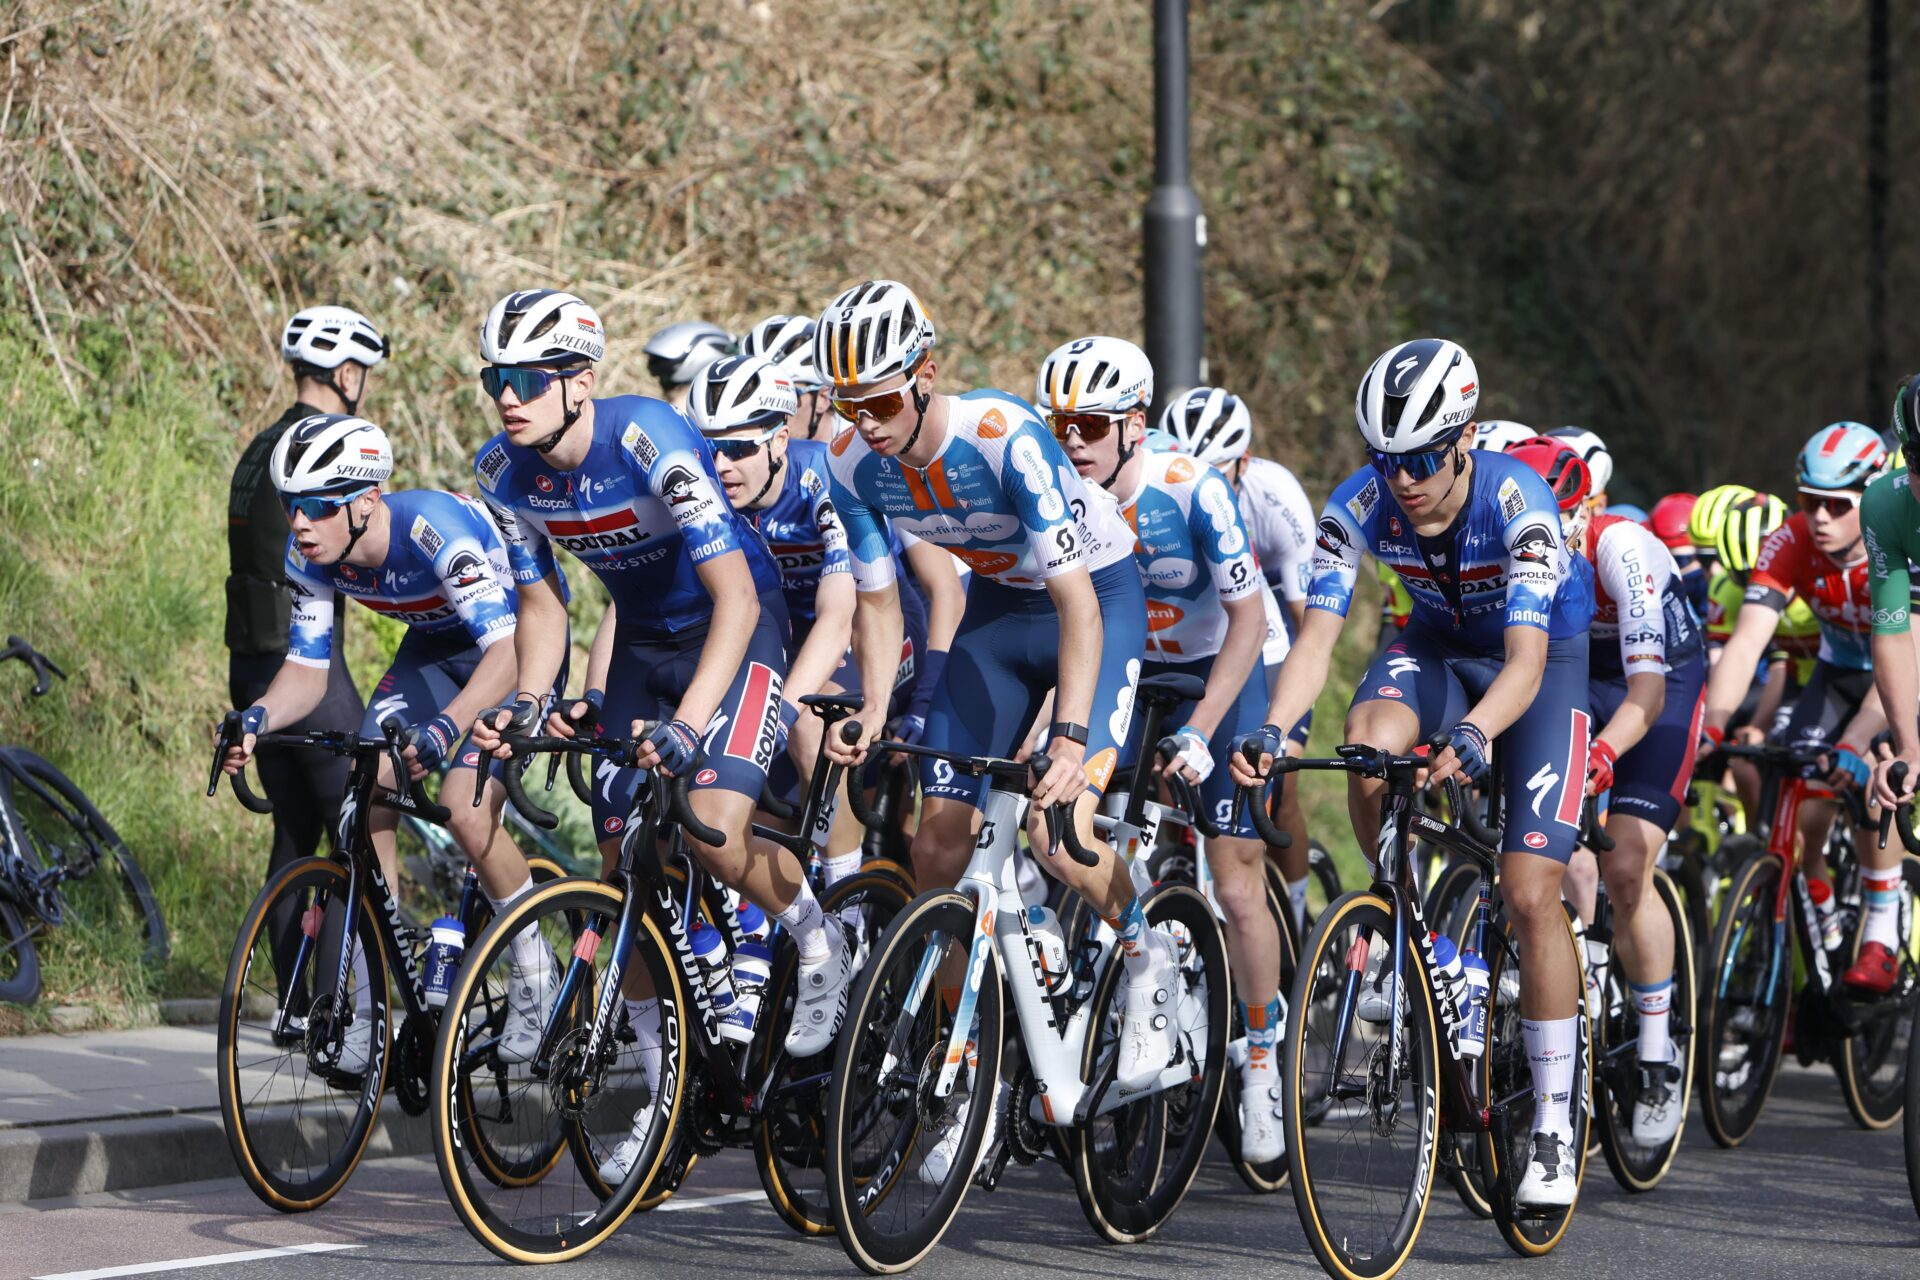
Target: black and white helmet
<point>872,331</point>
<point>1416,396</point>
<point>1094,375</point>
<point>328,337</point>
<point>542,326</point>
<point>680,351</point>
<point>1499,435</point>
<point>737,392</point>
<point>1210,424</point>
<point>1592,450</point>
<point>788,342</point>
<point>330,454</point>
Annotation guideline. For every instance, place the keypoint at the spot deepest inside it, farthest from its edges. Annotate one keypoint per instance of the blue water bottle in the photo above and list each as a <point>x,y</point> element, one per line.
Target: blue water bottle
<point>1473,1023</point>
<point>710,949</point>
<point>443,960</point>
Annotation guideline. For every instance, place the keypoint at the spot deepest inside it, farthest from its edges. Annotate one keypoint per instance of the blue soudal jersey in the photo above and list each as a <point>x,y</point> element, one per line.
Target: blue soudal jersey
<point>1000,494</point>
<point>1192,548</point>
<point>446,570</point>
<point>802,529</point>
<point>641,511</point>
<point>1502,564</point>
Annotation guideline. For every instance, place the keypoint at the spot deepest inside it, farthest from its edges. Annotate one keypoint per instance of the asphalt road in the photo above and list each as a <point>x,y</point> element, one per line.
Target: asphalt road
<point>1811,1195</point>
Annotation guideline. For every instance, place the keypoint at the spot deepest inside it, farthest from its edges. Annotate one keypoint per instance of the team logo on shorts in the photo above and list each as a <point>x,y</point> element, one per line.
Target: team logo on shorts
<point>705,778</point>
<point>1536,839</point>
<point>756,721</point>
<point>612,825</point>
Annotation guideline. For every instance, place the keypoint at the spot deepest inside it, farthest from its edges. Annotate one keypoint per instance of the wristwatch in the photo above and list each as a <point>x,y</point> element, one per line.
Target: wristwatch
<point>1070,731</point>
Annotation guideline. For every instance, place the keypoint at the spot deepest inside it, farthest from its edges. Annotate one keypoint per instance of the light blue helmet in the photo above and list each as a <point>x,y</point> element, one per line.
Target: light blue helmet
<point>1630,512</point>
<point>1163,441</point>
<point>1842,455</point>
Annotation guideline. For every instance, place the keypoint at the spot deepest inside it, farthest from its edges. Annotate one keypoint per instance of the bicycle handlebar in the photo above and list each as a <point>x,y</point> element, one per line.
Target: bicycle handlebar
<point>43,667</point>
<point>1059,819</point>
<point>1184,792</point>
<point>866,815</point>
<point>1254,800</point>
<point>1900,817</point>
<point>622,751</point>
<point>413,799</point>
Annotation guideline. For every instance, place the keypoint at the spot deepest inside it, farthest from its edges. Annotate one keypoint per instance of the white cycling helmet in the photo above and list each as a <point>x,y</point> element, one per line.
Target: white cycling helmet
<point>1499,435</point>
<point>328,337</point>
<point>872,331</point>
<point>1209,424</point>
<point>541,326</point>
<point>677,353</point>
<point>330,455</point>
<point>1416,396</point>
<point>1094,375</point>
<point>1592,451</point>
<point>788,342</point>
<point>735,392</point>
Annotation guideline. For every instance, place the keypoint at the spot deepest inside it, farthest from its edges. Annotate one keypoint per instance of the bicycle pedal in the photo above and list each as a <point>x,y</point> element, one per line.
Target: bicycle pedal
<point>988,1174</point>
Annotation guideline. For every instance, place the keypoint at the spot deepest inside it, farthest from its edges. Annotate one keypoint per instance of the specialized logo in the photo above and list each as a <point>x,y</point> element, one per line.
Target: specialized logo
<point>1402,370</point>
<point>1401,665</point>
<point>1544,779</point>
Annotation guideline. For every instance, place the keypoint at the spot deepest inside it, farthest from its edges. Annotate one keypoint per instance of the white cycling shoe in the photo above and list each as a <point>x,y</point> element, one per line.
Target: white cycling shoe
<point>1552,1178</point>
<point>1147,1037</point>
<point>821,1001</point>
<point>1380,991</point>
<point>530,994</point>
<point>614,1169</point>
<point>938,1161</point>
<point>356,1046</point>
<point>1262,1140</point>
<point>1659,1106</point>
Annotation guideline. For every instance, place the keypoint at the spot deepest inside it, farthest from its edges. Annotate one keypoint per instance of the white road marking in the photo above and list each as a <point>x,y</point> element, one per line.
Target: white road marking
<point>210,1260</point>
<point>712,1202</point>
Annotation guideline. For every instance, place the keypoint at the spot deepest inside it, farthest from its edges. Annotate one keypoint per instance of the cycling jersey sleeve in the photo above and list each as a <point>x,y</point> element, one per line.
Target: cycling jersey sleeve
<point>1280,524</point>
<point>666,460</point>
<point>528,552</point>
<point>1889,518</point>
<point>1220,537</point>
<point>310,637</point>
<point>1634,569</point>
<point>1339,540</point>
<point>1530,529</point>
<point>865,529</point>
<point>1782,557</point>
<point>1033,491</point>
<point>835,556</point>
<point>479,595</point>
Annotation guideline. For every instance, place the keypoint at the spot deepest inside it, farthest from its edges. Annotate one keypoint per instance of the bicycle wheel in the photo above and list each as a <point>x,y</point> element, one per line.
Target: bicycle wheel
<point>1743,1014</point>
<point>1133,1164</point>
<point>19,962</point>
<point>1458,883</point>
<point>1266,1176</point>
<point>1686,862</point>
<point>1455,895</point>
<point>297,1113</point>
<point>1911,1128</point>
<point>1363,1176</point>
<point>789,1135</point>
<point>885,1117</point>
<point>1616,1039</point>
<point>105,894</point>
<point>1323,887</point>
<point>1872,1063</point>
<point>1505,1077</point>
<point>499,1126</point>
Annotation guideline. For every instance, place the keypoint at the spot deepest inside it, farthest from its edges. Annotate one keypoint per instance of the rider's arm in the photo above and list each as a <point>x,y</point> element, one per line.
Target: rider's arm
<point>1081,635</point>
<point>728,578</point>
<point>1739,658</point>
<point>1646,698</point>
<point>939,577</point>
<point>483,599</point>
<point>826,643</point>
<point>1233,665</point>
<point>878,626</point>
<point>300,684</point>
<point>1508,697</point>
<point>539,637</point>
<point>1774,692</point>
<point>600,656</point>
<point>1221,541</point>
<point>1635,570</point>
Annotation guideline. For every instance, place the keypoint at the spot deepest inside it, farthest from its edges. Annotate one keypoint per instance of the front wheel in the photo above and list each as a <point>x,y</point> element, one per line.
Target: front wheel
<point>1636,1167</point>
<point>1872,1062</point>
<point>1743,1009</point>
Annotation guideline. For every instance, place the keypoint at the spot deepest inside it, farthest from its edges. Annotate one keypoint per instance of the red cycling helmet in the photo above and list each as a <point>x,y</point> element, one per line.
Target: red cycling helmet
<point>1670,516</point>
<point>1564,470</point>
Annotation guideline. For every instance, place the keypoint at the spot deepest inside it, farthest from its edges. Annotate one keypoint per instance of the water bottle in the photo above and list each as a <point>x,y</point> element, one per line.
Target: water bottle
<point>710,949</point>
<point>1473,1025</point>
<point>753,923</point>
<point>1049,946</point>
<point>752,964</point>
<point>443,960</point>
<point>1828,911</point>
<point>1447,974</point>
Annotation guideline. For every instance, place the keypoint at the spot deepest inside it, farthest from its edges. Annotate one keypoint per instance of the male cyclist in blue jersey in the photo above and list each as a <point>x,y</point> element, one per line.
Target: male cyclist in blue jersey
<point>1055,601</point>
<point>698,626</point>
<point>1206,619</point>
<point>1496,646</point>
<point>435,562</point>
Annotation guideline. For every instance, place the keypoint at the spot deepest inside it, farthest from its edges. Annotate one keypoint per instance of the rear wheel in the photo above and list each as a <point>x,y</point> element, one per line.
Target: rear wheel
<point>1912,1117</point>
<point>1743,1012</point>
<point>1872,1062</point>
<point>19,962</point>
<point>1616,1041</point>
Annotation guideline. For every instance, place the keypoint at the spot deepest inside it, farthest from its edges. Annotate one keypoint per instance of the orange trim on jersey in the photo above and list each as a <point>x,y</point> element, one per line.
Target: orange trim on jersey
<point>937,479</point>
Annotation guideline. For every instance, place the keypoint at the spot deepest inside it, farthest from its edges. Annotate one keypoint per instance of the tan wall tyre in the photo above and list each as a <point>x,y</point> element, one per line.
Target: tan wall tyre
<point>297,1120</point>
<point>1872,1063</point>
<point>1911,1117</point>
<point>1450,909</point>
<point>789,1139</point>
<point>1745,992</point>
<point>900,1158</point>
<point>489,1109</point>
<point>1635,1167</point>
<point>1504,1073</point>
<point>1267,1176</point>
<point>1363,1163</point>
<point>1132,1166</point>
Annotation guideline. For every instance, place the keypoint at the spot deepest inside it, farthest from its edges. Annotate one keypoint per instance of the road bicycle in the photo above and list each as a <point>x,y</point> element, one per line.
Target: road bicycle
<point>434,866</point>
<point>924,1065</point>
<point>307,1036</point>
<point>62,863</point>
<point>598,1076</point>
<point>1386,1093</point>
<point>1770,967</point>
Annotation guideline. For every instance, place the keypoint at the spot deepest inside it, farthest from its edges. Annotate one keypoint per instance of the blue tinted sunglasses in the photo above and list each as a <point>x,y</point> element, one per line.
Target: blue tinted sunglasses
<point>737,450</point>
<point>1420,466</point>
<point>316,507</point>
<point>528,384</point>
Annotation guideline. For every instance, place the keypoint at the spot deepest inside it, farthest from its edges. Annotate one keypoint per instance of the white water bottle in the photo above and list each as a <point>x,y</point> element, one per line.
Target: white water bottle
<point>752,964</point>
<point>1831,933</point>
<point>710,949</point>
<point>443,960</point>
<point>1473,1023</point>
<point>1448,975</point>
<point>1050,947</point>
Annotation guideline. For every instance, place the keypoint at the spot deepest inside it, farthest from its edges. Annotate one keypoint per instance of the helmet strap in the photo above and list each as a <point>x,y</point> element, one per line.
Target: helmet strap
<point>568,416</point>
<point>1126,452</point>
<point>920,403</point>
<point>774,467</point>
<point>353,534</point>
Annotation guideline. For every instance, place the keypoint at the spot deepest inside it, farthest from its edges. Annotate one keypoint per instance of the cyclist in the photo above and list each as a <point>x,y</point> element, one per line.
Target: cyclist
<point>679,351</point>
<point>435,562</point>
<point>1216,428</point>
<point>1647,670</point>
<point>331,350</point>
<point>1817,555</point>
<point>1709,513</point>
<point>695,636</point>
<point>788,342</point>
<point>1497,646</point>
<point>1206,619</point>
<point>1055,600</point>
<point>1593,451</point>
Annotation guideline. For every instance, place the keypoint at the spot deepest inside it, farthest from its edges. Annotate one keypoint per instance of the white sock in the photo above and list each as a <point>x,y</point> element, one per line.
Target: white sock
<point>1882,892</point>
<point>528,948</point>
<point>840,865</point>
<point>1654,1001</point>
<point>1550,1049</point>
<point>362,988</point>
<point>1297,898</point>
<point>644,1017</point>
<point>803,919</point>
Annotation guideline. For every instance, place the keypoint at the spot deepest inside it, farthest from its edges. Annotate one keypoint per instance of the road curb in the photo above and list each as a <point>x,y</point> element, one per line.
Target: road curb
<point>57,1161</point>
